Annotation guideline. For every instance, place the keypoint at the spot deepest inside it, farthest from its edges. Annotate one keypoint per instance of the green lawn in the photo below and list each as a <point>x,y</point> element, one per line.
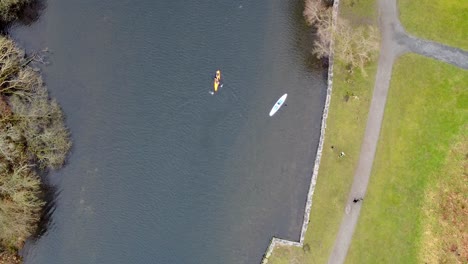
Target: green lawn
<point>444,21</point>
<point>424,117</point>
<point>345,130</point>
<point>359,12</point>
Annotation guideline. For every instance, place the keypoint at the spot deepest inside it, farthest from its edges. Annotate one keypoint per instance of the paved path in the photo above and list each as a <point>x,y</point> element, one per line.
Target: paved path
<point>454,56</point>
<point>395,41</point>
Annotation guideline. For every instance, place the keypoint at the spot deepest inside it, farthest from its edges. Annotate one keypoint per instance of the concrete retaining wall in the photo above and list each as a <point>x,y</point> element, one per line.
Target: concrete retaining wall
<point>305,224</point>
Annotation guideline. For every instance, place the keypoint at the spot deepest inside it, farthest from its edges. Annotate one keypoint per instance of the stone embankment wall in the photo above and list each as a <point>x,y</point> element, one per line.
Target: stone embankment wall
<point>305,224</point>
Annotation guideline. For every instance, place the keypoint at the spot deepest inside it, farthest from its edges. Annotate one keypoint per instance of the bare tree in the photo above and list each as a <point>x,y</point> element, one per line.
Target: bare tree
<point>355,46</point>
<point>313,11</point>
<point>20,206</point>
<point>33,137</point>
<point>323,39</point>
<point>41,123</point>
<point>39,119</point>
<point>12,145</point>
<point>15,76</point>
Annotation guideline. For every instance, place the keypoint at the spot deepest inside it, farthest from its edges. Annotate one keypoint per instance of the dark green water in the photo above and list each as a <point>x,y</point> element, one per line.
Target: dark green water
<point>161,171</point>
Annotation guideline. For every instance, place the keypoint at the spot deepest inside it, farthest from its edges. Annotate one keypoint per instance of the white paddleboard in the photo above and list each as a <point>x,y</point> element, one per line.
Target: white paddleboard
<point>278,104</point>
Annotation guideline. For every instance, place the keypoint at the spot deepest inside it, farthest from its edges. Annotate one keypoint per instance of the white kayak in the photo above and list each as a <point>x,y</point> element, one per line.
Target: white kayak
<point>278,104</point>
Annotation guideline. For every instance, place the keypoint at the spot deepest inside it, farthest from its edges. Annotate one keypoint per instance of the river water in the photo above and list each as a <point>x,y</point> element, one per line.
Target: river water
<point>161,171</point>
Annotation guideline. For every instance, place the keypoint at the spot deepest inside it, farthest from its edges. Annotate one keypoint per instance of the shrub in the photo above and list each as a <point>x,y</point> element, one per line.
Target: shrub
<point>10,9</point>
<point>20,206</point>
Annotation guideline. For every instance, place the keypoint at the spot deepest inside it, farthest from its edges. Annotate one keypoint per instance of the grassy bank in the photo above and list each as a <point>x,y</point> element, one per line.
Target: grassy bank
<point>425,117</point>
<point>441,21</point>
<point>346,123</point>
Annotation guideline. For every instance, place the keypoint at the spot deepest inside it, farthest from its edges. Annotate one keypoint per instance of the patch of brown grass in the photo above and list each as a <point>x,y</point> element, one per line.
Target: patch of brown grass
<point>445,237</point>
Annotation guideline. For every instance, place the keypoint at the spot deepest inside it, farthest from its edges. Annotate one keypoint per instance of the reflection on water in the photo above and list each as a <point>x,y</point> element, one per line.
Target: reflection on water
<point>162,171</point>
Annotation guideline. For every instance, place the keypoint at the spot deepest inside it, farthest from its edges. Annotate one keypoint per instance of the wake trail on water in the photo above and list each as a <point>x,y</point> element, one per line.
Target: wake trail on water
<point>243,108</point>
<point>199,96</point>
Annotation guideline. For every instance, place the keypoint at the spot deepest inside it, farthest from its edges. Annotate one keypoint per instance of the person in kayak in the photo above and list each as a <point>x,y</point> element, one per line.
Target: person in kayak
<point>217,81</point>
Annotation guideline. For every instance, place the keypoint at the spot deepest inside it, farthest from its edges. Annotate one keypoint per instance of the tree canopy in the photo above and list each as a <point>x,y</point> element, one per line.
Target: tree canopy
<point>9,9</point>
<point>33,138</point>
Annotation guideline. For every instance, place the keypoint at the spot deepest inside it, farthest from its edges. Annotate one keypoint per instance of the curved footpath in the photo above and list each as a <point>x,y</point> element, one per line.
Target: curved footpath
<point>395,41</point>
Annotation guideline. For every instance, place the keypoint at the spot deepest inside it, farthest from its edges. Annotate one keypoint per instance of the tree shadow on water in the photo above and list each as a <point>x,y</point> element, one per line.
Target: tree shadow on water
<point>31,12</point>
<point>304,37</point>
<point>26,15</point>
<point>50,193</point>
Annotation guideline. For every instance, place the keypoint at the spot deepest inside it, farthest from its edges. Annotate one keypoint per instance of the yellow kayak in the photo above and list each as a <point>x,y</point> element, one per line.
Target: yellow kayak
<point>217,81</point>
<point>216,85</point>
